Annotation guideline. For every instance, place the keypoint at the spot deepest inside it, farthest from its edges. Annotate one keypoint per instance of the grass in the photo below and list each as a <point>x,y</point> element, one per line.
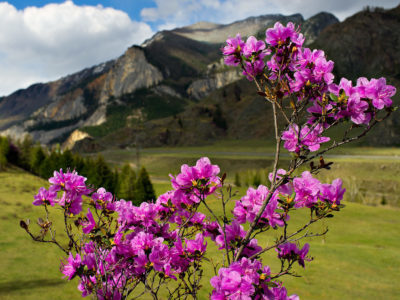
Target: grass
<point>358,259</point>
<point>371,175</point>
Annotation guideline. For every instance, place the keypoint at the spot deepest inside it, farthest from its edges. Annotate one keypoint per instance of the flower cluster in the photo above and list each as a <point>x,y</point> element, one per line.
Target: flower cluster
<point>168,238</point>
<point>248,206</point>
<point>306,75</point>
<point>117,246</point>
<point>71,185</point>
<point>306,138</point>
<point>247,279</point>
<point>143,240</point>
<point>291,253</point>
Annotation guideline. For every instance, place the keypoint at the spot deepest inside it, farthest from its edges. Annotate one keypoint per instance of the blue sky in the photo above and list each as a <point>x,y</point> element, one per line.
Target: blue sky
<point>43,40</point>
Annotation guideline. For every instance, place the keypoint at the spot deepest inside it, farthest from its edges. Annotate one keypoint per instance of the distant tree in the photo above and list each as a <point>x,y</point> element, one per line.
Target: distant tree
<point>144,187</point>
<point>115,183</point>
<point>25,147</point>
<point>237,180</point>
<point>67,160</point>
<point>127,183</point>
<point>4,150</point>
<point>37,158</point>
<point>102,175</point>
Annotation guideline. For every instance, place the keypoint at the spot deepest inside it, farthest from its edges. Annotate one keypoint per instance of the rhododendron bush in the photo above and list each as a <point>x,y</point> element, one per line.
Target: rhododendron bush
<point>118,250</point>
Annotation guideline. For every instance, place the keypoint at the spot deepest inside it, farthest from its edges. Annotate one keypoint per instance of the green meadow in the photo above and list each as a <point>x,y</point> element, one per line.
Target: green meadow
<point>359,258</point>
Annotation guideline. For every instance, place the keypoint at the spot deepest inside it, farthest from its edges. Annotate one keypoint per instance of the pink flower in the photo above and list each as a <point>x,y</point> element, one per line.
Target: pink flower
<point>45,197</point>
<point>233,50</point>
<point>332,193</point>
<point>290,252</point>
<point>102,198</point>
<point>377,91</point>
<point>196,247</point>
<point>202,178</point>
<point>70,268</point>
<point>252,69</point>
<point>307,190</point>
<point>87,226</point>
<point>254,47</point>
<point>280,35</point>
<point>309,138</point>
<point>350,103</point>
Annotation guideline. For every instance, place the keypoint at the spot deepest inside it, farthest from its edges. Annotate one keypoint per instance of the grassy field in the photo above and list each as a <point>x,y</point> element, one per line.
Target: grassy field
<point>358,259</point>
<point>371,175</point>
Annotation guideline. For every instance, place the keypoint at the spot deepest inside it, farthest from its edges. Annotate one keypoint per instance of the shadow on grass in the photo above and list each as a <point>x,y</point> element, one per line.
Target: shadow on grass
<point>11,286</point>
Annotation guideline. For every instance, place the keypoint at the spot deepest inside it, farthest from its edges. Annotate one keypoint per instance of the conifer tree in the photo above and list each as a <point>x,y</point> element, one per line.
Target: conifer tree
<point>37,158</point>
<point>144,188</point>
<point>4,149</point>
<point>102,175</point>
<point>237,180</point>
<point>127,183</point>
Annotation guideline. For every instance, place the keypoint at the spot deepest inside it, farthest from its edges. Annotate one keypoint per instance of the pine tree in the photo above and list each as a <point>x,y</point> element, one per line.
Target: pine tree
<point>25,152</point>
<point>237,180</point>
<point>37,158</point>
<point>4,150</point>
<point>127,183</point>
<point>144,188</point>
<point>102,175</point>
<point>67,160</point>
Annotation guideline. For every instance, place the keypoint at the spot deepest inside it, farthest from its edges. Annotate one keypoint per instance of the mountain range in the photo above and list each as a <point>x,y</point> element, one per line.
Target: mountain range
<point>175,90</point>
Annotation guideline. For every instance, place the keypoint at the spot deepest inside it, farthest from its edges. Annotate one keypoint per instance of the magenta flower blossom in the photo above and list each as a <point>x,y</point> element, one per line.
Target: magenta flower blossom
<point>377,91</point>
<point>87,226</point>
<point>234,233</point>
<point>245,280</point>
<point>196,247</point>
<point>285,189</point>
<point>248,206</point>
<point>280,293</point>
<point>307,190</point>
<point>70,268</point>
<point>351,105</point>
<point>332,193</point>
<point>160,257</point>
<point>103,198</point>
<point>252,69</point>
<point>233,50</point>
<point>309,138</point>
<point>72,202</point>
<point>290,252</point>
<point>313,72</point>
<point>280,35</point>
<point>237,281</point>
<point>202,177</point>
<point>69,181</point>
<point>254,47</point>
<point>45,197</point>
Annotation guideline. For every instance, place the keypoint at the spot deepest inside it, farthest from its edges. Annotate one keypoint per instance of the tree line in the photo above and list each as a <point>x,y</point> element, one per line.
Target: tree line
<point>123,182</point>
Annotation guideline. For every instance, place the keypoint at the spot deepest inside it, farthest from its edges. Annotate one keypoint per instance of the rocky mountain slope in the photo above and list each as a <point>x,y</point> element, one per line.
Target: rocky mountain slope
<point>174,88</point>
<point>368,44</point>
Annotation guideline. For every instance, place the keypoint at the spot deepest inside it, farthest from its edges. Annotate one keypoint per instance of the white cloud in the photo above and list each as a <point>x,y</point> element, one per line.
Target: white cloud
<point>45,43</point>
<point>185,12</point>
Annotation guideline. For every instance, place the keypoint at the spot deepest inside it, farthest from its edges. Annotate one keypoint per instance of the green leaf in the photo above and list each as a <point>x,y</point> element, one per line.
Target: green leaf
<point>333,97</point>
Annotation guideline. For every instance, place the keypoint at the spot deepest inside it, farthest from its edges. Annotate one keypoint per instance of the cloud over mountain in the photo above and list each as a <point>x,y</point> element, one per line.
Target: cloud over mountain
<point>174,13</point>
<point>44,43</point>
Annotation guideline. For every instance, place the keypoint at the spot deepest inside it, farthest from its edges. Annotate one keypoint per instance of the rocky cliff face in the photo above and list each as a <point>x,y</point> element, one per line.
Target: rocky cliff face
<point>130,72</point>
